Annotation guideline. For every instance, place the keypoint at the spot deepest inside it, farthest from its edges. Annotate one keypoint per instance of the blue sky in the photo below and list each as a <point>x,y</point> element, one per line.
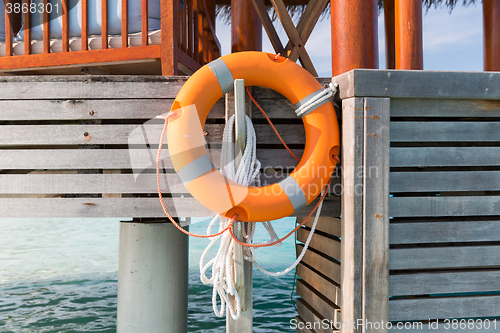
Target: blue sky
<point>452,42</point>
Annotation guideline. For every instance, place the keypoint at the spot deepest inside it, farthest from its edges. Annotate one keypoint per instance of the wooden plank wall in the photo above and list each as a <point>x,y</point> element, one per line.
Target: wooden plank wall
<point>444,256</point>
<point>77,146</point>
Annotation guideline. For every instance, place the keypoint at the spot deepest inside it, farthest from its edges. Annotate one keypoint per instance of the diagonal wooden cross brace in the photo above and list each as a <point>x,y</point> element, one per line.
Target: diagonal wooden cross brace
<point>298,35</point>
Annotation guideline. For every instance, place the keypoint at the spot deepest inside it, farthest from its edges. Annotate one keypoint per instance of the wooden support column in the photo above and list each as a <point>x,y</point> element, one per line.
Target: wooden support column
<point>169,36</point>
<point>246,28</point>
<point>354,35</point>
<point>390,43</point>
<point>408,32</point>
<point>491,21</point>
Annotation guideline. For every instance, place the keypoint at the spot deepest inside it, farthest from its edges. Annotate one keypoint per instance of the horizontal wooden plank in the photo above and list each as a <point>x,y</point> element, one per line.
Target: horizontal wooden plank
<point>321,243</point>
<point>321,263</point>
<point>301,325</point>
<point>326,224</point>
<point>444,181</point>
<point>444,232</point>
<point>89,183</point>
<point>432,107</point>
<point>318,282</point>
<point>279,108</point>
<point>419,84</point>
<point>318,302</point>
<point>444,156</point>
<point>444,257</point>
<point>92,109</point>
<point>15,135</point>
<point>444,283</point>
<point>444,206</point>
<point>119,207</point>
<point>312,319</point>
<point>438,131</point>
<point>442,308</point>
<point>136,159</point>
<point>89,87</point>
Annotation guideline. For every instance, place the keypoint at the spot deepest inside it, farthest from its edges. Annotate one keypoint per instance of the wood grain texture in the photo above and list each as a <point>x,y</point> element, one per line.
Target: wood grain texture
<point>444,206</point>
<point>321,243</point>
<point>444,232</point>
<point>326,224</point>
<point>444,131</point>
<point>127,134</point>
<point>318,282</point>
<point>320,263</point>
<point>80,109</point>
<point>444,283</point>
<point>352,210</point>
<point>444,156</point>
<point>418,84</point>
<point>444,181</point>
<point>408,34</point>
<point>323,306</point>
<point>431,107</point>
<point>311,317</point>
<point>89,87</point>
<point>441,308</point>
<point>444,257</point>
<point>376,210</point>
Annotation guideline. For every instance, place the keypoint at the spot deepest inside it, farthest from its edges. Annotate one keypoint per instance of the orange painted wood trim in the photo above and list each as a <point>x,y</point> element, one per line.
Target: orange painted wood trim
<point>85,25</point>
<point>390,43</point>
<point>491,36</point>
<point>144,22</point>
<point>65,25</point>
<point>188,61</point>
<point>408,34</point>
<point>169,36</point>
<point>125,23</point>
<point>27,30</point>
<point>104,24</point>
<point>354,35</point>
<point>8,30</point>
<point>80,57</point>
<point>46,28</point>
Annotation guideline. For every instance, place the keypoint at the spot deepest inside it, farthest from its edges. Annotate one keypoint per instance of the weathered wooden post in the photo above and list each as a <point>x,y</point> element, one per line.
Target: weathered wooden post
<point>408,34</point>
<point>152,278</point>
<point>242,268</point>
<point>491,22</point>
<point>354,35</point>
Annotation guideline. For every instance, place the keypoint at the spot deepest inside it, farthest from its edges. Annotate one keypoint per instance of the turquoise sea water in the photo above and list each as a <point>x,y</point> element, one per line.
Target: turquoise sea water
<point>60,275</point>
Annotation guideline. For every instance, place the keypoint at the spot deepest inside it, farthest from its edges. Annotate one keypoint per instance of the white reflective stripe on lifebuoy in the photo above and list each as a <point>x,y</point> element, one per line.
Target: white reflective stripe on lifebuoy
<point>307,99</point>
<point>294,193</point>
<point>223,75</point>
<point>195,169</point>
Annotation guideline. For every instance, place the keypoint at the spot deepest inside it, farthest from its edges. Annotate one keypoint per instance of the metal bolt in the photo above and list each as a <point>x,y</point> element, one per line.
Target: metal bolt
<point>91,113</point>
<point>86,134</point>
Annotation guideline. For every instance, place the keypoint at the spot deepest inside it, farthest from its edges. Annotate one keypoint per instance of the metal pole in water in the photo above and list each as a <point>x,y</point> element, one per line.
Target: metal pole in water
<point>152,278</point>
<point>242,268</point>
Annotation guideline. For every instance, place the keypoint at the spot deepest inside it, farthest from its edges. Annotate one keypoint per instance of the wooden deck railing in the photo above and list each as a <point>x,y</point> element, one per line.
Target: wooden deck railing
<point>190,30</point>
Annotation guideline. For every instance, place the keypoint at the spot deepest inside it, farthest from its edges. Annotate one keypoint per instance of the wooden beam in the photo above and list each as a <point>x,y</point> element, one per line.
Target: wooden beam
<point>294,36</point>
<point>491,21</point>
<point>390,43</point>
<point>268,26</point>
<point>169,36</point>
<point>354,35</point>
<point>408,34</point>
<point>306,25</point>
<point>246,27</point>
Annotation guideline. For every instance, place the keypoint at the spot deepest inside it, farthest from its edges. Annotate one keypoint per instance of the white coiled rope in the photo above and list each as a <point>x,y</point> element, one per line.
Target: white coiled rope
<point>223,263</point>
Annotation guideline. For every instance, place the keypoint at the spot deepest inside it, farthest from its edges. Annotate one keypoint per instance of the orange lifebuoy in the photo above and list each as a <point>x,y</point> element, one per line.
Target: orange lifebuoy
<point>190,159</point>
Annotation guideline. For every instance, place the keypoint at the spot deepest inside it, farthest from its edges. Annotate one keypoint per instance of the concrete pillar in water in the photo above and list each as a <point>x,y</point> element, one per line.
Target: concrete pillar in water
<point>152,278</point>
